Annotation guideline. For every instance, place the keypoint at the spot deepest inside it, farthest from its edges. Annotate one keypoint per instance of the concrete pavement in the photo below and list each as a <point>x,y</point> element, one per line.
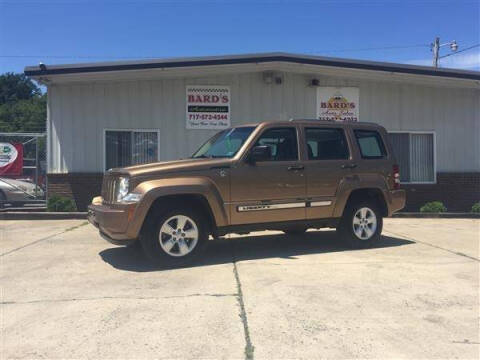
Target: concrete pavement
<point>66,293</point>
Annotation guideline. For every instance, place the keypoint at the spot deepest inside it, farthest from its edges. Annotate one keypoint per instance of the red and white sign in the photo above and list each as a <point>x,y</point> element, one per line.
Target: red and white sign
<point>208,107</point>
<point>11,159</point>
<point>337,104</point>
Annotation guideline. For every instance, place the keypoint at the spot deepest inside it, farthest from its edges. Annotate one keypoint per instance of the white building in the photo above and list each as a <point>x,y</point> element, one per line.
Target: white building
<point>103,115</point>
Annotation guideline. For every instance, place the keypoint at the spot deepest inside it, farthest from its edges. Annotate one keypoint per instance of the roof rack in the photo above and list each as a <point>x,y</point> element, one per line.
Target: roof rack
<point>333,121</point>
<point>292,120</point>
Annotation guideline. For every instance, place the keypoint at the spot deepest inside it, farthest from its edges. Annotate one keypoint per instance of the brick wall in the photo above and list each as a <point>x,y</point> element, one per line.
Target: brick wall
<point>458,191</point>
<point>81,187</point>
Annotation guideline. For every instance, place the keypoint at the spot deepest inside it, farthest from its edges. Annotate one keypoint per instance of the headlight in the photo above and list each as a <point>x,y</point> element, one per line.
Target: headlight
<point>122,188</point>
<point>123,195</point>
<point>132,197</point>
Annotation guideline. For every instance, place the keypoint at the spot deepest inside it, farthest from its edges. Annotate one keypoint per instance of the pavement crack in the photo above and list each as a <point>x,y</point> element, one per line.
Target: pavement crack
<point>195,295</point>
<point>467,342</point>
<point>43,239</point>
<point>249,348</point>
<point>435,246</point>
<point>112,298</point>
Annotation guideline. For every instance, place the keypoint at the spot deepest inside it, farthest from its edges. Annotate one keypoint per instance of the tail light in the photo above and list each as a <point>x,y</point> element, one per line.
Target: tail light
<point>396,177</point>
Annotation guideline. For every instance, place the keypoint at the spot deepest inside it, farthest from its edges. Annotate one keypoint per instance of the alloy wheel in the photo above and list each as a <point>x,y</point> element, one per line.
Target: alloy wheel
<point>364,223</point>
<point>178,235</point>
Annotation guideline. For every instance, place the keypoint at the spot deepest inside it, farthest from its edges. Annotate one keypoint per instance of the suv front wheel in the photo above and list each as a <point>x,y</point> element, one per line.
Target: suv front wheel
<point>175,237</point>
<point>361,224</point>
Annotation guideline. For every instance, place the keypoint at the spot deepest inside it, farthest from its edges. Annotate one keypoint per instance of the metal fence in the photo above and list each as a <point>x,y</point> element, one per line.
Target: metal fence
<point>28,186</point>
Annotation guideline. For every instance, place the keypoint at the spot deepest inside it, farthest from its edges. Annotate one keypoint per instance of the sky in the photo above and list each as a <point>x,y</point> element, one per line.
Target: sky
<point>76,31</point>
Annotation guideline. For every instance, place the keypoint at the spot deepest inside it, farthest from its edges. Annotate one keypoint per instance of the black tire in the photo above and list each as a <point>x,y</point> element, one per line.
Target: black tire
<point>150,237</point>
<point>298,230</point>
<point>2,199</point>
<point>135,245</point>
<point>346,228</point>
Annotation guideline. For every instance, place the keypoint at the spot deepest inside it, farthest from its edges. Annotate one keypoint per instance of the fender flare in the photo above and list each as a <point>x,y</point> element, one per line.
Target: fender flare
<point>367,181</point>
<point>152,190</point>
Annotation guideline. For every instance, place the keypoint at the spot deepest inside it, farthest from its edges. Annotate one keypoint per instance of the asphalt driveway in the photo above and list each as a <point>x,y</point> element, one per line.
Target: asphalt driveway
<point>66,293</point>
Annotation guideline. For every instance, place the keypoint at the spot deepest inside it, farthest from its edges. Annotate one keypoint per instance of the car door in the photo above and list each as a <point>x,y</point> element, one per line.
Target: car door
<point>329,162</point>
<point>274,189</point>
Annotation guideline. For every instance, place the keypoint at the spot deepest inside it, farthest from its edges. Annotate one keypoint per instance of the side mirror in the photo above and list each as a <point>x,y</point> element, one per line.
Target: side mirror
<point>260,153</point>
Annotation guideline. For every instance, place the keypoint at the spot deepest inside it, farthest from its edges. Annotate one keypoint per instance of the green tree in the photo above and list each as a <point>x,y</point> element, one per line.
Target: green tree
<point>23,107</point>
<point>15,87</point>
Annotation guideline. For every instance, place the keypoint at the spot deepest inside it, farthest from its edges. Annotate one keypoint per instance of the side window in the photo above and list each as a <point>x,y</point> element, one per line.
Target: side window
<point>282,141</point>
<point>370,144</point>
<point>326,144</point>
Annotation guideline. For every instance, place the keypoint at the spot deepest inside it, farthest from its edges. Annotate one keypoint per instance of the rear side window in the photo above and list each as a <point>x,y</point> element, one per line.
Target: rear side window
<point>370,144</point>
<point>326,144</point>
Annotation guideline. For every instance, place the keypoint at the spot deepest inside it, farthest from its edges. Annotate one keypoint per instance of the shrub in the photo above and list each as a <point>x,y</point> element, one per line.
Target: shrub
<point>433,207</point>
<point>476,208</point>
<point>57,203</point>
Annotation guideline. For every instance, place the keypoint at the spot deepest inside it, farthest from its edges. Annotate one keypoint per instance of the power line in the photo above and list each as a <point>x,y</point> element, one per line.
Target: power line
<point>380,48</point>
<point>76,57</point>
<point>460,51</point>
<point>153,57</point>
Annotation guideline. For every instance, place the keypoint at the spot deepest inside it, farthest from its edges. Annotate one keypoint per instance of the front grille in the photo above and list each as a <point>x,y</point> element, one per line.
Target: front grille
<point>108,189</point>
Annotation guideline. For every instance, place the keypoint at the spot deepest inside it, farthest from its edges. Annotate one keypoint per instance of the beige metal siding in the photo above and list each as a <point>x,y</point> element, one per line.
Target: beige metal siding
<point>79,114</point>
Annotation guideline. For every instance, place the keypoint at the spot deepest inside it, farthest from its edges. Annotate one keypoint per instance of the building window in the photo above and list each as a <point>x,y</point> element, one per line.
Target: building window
<point>130,147</point>
<point>415,155</point>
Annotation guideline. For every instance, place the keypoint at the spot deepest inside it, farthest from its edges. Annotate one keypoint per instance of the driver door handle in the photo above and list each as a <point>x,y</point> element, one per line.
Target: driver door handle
<point>295,168</point>
<point>349,166</point>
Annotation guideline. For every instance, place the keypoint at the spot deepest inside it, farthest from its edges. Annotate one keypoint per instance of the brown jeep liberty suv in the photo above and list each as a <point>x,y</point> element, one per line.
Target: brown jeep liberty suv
<point>287,176</point>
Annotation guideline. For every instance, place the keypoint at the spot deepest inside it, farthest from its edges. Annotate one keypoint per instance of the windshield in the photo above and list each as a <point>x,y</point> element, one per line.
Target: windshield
<point>226,143</point>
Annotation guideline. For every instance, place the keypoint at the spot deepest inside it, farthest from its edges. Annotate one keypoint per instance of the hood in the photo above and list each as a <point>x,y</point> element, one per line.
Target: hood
<point>23,185</point>
<point>163,167</point>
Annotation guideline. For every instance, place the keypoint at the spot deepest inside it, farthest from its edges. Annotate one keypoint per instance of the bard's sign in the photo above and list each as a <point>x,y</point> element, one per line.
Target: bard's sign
<point>337,104</point>
<point>208,107</point>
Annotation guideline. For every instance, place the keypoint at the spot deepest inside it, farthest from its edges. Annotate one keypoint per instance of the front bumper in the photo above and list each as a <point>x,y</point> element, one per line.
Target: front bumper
<point>113,222</point>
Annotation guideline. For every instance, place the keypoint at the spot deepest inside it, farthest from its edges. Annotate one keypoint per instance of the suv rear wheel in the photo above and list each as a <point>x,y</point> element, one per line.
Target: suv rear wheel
<point>361,224</point>
<point>174,237</point>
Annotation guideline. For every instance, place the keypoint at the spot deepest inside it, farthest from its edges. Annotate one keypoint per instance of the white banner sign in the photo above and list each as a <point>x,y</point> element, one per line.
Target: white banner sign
<point>208,107</point>
<point>337,104</point>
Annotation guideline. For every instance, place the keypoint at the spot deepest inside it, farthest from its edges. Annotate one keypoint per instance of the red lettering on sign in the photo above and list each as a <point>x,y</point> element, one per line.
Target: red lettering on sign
<point>210,99</point>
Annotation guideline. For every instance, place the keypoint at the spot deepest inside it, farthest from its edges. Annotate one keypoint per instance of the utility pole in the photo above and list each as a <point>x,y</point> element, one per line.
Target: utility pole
<point>436,50</point>
<point>435,47</point>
